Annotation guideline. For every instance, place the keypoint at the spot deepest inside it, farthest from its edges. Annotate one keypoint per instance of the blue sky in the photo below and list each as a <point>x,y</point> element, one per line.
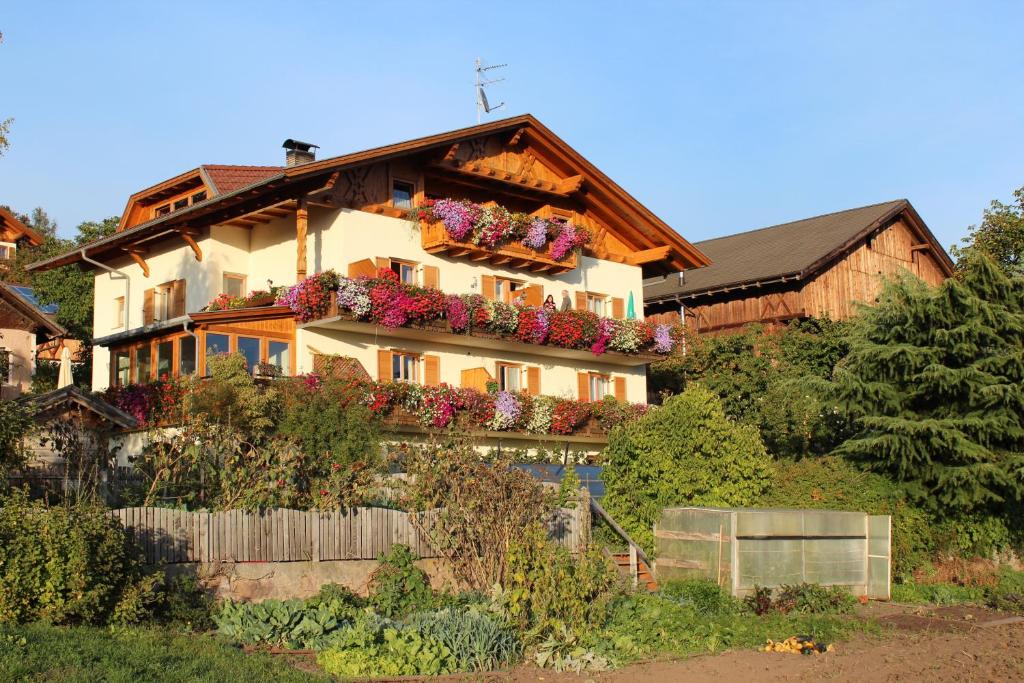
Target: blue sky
<point>720,116</point>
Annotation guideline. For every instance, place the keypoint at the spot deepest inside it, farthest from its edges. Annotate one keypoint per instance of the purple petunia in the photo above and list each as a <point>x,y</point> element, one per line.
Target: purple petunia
<point>458,217</point>
<point>662,339</point>
<point>536,234</point>
<point>506,411</point>
<point>564,242</point>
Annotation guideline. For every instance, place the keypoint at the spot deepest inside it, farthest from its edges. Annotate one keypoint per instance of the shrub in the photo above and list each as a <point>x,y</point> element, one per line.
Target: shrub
<point>811,598</point>
<point>187,604</point>
<point>398,587</point>
<point>548,587</point>
<point>15,422</point>
<point>68,564</point>
<point>685,453</point>
<point>287,623</point>
<point>477,641</point>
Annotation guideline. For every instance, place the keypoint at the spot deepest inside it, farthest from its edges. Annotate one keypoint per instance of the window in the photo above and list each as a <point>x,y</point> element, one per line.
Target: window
<point>119,312</point>
<point>186,356</point>
<point>161,296</point>
<point>234,285</point>
<point>405,270</point>
<point>7,252</point>
<point>122,365</point>
<point>598,387</point>
<point>510,377</point>
<point>217,343</point>
<point>597,303</point>
<point>250,348</point>
<point>507,290</point>
<point>278,355</point>
<point>403,367</point>
<point>164,360</point>
<point>143,364</point>
<point>198,197</point>
<point>162,210</point>
<point>180,204</point>
<point>401,194</point>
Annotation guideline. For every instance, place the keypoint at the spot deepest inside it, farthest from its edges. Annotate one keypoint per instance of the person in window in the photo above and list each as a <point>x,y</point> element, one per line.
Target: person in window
<point>566,301</point>
<point>549,304</point>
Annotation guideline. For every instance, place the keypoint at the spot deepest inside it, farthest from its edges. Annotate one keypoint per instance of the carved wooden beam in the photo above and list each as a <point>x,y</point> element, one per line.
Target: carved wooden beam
<point>502,177</point>
<point>301,227</point>
<point>188,235</point>
<point>649,255</point>
<point>135,251</point>
<point>516,136</point>
<point>570,185</point>
<point>452,151</point>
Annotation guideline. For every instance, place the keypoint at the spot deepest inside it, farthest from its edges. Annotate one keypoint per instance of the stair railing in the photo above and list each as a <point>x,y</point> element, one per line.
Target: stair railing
<point>636,553</point>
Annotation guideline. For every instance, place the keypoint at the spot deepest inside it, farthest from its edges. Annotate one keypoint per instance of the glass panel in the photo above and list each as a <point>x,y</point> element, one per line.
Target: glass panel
<point>598,387</point>
<point>233,286</point>
<point>186,356</point>
<point>180,204</point>
<point>401,195</point>
<point>122,367</point>
<point>278,355</point>
<point>165,360</point>
<point>250,348</point>
<point>216,344</point>
<point>596,305</point>
<point>198,197</point>
<point>408,274</point>
<point>510,378</point>
<point>143,364</point>
<point>409,369</point>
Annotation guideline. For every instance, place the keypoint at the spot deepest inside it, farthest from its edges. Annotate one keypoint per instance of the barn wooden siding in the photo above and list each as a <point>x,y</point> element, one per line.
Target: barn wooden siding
<point>279,535</point>
<point>856,277</point>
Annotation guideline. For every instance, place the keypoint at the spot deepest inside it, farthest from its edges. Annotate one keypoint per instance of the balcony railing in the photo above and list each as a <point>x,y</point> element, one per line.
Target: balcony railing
<point>436,240</point>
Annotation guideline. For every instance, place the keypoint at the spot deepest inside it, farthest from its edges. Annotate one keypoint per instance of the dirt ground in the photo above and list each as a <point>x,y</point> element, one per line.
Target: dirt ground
<point>916,644</point>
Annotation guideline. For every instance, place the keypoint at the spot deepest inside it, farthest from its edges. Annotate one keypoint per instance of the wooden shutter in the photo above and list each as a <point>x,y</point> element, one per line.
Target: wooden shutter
<point>620,388</point>
<point>618,308</point>
<point>487,286</point>
<point>147,307</point>
<point>534,295</point>
<point>475,378</point>
<point>431,277</point>
<point>533,380</point>
<point>431,371</point>
<point>584,385</point>
<point>366,268</point>
<point>581,301</point>
<point>177,299</point>
<point>383,263</point>
<point>383,365</point>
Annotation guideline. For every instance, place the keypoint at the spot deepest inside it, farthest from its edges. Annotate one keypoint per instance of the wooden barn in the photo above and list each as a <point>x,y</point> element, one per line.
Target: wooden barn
<point>814,267</point>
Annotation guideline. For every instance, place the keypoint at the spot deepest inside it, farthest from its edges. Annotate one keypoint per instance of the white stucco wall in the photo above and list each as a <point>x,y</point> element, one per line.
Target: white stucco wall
<point>336,239</point>
<point>22,347</point>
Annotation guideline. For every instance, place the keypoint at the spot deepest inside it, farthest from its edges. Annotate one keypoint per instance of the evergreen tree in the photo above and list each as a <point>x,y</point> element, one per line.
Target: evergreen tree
<point>934,387</point>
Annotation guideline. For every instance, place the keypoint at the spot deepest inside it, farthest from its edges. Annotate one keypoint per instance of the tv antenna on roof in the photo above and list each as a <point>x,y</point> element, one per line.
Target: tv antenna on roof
<point>482,105</point>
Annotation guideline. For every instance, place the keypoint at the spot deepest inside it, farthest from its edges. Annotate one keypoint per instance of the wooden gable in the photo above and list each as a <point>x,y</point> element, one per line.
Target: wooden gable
<point>13,230</point>
<point>142,205</point>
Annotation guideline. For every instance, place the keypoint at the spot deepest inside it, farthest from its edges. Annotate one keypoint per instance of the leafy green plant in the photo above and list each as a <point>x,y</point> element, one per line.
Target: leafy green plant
<point>15,423</point>
<point>812,598</point>
<point>380,648</point>
<point>937,593</point>
<point>398,587</point>
<point>706,597</point>
<point>186,604</point>
<point>287,623</point>
<point>68,564</point>
<point>686,453</point>
<point>563,650</point>
<point>759,601</point>
<point>477,641</point>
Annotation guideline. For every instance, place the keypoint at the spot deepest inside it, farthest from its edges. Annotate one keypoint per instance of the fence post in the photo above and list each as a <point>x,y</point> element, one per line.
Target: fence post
<point>634,571</point>
<point>584,518</point>
<point>315,531</point>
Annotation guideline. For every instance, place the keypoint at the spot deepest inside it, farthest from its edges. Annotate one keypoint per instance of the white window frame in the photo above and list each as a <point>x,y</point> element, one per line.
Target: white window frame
<point>597,301</point>
<point>403,368</point>
<point>505,370</point>
<point>10,251</point>
<point>119,312</point>
<point>236,277</point>
<point>598,379</point>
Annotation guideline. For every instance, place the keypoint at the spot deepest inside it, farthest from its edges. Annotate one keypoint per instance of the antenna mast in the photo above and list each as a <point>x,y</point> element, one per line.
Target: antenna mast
<point>482,106</point>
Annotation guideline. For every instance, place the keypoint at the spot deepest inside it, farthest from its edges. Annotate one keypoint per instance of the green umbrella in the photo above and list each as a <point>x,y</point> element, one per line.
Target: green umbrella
<point>630,309</point>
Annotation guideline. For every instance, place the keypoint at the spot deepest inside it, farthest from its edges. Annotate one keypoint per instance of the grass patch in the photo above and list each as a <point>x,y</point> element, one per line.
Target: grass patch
<point>39,652</point>
<point>1006,592</point>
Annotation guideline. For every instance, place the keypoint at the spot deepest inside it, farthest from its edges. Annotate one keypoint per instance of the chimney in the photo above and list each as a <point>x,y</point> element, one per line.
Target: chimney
<point>299,152</point>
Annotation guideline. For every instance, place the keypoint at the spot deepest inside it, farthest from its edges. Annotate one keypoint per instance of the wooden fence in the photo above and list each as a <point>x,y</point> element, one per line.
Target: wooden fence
<point>280,535</point>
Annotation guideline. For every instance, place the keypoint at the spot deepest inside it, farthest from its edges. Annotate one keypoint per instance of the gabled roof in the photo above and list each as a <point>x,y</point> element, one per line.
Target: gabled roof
<point>796,250</point>
<point>9,223</point>
<point>230,178</point>
<point>26,305</point>
<point>72,395</point>
<point>648,231</point>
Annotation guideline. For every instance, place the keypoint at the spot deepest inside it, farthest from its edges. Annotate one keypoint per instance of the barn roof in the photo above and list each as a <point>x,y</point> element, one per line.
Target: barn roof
<point>794,250</point>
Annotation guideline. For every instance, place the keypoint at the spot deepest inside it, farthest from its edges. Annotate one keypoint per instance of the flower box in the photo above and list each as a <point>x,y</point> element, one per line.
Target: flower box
<point>436,240</point>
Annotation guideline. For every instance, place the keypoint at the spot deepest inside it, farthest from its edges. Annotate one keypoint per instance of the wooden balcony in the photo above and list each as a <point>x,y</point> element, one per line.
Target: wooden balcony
<point>440,332</point>
<point>402,421</point>
<point>436,240</point>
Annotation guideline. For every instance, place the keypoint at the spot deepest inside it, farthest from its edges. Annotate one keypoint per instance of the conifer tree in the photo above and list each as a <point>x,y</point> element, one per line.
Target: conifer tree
<point>934,387</point>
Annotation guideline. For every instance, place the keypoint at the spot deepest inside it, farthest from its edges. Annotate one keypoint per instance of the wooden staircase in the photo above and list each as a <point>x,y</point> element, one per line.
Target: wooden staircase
<point>644,576</point>
<point>633,564</point>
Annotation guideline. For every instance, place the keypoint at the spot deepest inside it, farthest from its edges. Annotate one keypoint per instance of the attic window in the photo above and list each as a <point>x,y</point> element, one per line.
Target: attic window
<point>162,210</point>
<point>401,194</point>
<point>198,197</point>
<point>181,204</point>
